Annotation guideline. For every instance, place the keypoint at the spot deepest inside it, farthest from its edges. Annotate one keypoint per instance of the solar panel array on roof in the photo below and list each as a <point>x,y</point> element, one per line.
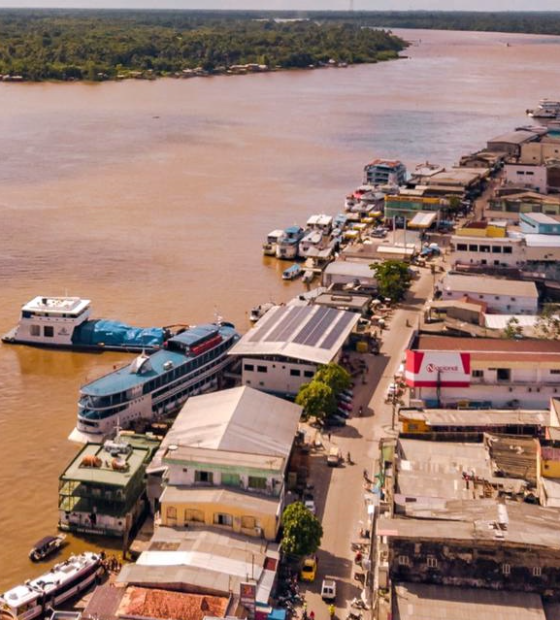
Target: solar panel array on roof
<point>272,317</point>
<point>337,330</point>
<point>315,327</point>
<point>289,321</point>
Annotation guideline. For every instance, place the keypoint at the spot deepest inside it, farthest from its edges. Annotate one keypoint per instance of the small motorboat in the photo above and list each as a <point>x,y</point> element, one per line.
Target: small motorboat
<point>46,546</point>
<point>292,272</point>
<point>308,277</point>
<point>259,311</point>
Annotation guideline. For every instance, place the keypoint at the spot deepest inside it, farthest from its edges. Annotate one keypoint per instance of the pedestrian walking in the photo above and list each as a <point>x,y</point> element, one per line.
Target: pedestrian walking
<point>329,436</point>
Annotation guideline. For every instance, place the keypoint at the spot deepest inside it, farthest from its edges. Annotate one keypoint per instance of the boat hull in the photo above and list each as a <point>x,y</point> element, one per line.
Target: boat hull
<point>76,348</point>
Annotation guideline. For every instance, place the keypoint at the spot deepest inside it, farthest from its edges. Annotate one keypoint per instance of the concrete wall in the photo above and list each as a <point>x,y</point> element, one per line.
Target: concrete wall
<point>243,521</point>
<point>500,304</point>
<point>477,564</point>
<point>472,250</point>
<point>531,176</point>
<point>537,152</point>
<point>280,377</point>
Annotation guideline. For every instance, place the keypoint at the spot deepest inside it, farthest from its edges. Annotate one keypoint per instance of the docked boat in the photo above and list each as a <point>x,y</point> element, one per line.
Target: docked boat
<point>46,547</point>
<point>64,322</point>
<point>271,243</point>
<point>288,243</point>
<point>308,276</point>
<point>36,597</point>
<point>156,385</point>
<point>547,108</point>
<point>292,272</point>
<point>259,311</point>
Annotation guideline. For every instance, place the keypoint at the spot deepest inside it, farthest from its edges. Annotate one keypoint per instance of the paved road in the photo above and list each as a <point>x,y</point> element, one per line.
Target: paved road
<point>339,491</point>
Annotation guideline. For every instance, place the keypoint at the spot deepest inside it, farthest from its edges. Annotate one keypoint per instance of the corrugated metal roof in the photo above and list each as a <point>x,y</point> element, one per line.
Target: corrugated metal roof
<point>422,220</point>
<point>431,602</point>
<point>488,286</point>
<point>311,333</point>
<point>241,420</point>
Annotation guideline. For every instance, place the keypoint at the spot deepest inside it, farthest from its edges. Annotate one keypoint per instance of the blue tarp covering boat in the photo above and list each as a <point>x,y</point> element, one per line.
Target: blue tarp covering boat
<point>103,332</point>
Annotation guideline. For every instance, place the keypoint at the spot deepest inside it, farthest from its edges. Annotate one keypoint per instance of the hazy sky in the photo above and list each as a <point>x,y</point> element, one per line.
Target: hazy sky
<point>471,5</point>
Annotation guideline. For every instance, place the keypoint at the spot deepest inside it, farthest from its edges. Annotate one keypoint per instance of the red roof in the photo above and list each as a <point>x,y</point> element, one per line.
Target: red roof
<point>390,163</point>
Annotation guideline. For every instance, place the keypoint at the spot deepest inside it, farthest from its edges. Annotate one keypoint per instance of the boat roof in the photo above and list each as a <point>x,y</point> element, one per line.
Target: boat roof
<point>57,305</point>
<point>44,541</point>
<point>33,589</point>
<point>128,377</point>
<point>278,232</point>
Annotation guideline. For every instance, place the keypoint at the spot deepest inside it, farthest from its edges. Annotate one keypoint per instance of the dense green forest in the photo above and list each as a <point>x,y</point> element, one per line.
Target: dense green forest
<point>95,45</point>
<point>530,22</point>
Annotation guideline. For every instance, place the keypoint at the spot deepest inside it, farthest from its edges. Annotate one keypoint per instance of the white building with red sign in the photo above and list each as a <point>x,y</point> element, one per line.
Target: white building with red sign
<point>483,372</point>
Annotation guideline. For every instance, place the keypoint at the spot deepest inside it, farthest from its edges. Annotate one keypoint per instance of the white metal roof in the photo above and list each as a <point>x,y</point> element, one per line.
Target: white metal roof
<point>423,219</point>
<point>500,321</point>
<point>57,305</point>
<point>311,333</point>
<point>348,268</point>
<point>489,286</point>
<point>542,241</point>
<point>241,420</point>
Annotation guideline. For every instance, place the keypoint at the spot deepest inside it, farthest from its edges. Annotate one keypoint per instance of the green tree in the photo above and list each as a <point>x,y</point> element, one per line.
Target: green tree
<point>393,279</point>
<point>317,400</point>
<point>548,324</point>
<point>333,375</point>
<point>513,329</point>
<point>302,531</point>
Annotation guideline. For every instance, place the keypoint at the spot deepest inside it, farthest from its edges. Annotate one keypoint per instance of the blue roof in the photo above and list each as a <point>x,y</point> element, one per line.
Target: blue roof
<point>293,230</point>
<point>123,379</point>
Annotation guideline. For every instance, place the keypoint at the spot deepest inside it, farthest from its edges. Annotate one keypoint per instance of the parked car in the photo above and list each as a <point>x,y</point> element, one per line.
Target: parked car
<point>328,589</point>
<point>334,458</point>
<point>335,420</point>
<point>309,569</point>
<point>310,505</point>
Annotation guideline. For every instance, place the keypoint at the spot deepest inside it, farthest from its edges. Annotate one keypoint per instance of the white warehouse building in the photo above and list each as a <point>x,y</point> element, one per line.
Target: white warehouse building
<point>500,296</point>
<point>289,343</point>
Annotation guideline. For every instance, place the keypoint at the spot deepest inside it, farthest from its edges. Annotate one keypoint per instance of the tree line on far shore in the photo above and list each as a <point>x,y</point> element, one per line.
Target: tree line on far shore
<point>95,45</point>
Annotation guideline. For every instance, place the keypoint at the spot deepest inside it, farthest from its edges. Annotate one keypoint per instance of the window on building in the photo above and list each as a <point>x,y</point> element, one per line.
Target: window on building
<point>484,248</point>
<point>48,331</point>
<point>496,249</point>
<point>231,480</point>
<point>530,174</point>
<point>194,516</point>
<point>497,297</point>
<point>479,374</point>
<point>249,367</point>
<point>171,512</point>
<point>308,373</point>
<point>503,374</point>
<point>403,560</point>
<point>537,571</point>
<point>248,523</point>
<point>473,248</point>
<point>513,298</point>
<point>431,561</point>
<point>35,330</point>
<point>294,372</point>
<point>262,369</point>
<point>507,249</point>
<point>462,247</point>
<point>206,477</point>
<point>555,371</point>
<point>481,296</point>
<point>506,569</point>
<point>256,482</point>
<point>222,518</point>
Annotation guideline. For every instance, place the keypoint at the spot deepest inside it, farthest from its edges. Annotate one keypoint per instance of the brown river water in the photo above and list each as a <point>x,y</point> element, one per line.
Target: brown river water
<point>152,199</point>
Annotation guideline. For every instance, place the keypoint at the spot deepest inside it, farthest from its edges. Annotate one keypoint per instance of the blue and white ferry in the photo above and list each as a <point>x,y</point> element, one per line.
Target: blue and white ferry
<point>155,385</point>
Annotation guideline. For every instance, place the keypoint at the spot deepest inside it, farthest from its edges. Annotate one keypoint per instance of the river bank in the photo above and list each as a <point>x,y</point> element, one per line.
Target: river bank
<point>153,200</point>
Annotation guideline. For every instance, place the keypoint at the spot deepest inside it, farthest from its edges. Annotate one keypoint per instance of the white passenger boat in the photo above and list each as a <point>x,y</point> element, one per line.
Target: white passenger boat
<point>36,597</point>
<point>288,244</point>
<point>259,311</point>
<point>547,108</point>
<point>64,323</point>
<point>271,243</point>
<point>155,385</point>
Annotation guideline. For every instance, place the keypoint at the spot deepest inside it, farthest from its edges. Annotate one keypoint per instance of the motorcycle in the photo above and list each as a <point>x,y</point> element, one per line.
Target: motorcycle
<point>358,603</point>
<point>352,615</point>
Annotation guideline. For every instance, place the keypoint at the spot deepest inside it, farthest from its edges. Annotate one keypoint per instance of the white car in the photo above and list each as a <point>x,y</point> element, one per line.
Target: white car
<point>328,589</point>
<point>310,505</point>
